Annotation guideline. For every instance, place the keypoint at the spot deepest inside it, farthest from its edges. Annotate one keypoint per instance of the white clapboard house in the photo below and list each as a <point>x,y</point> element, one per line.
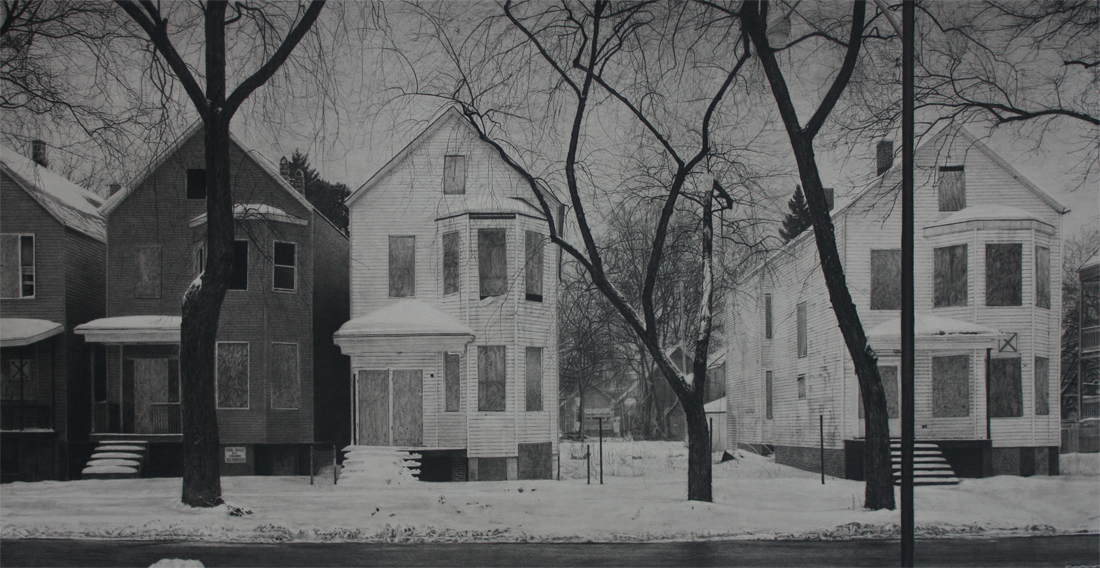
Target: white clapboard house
<point>987,285</point>
<point>453,334</point>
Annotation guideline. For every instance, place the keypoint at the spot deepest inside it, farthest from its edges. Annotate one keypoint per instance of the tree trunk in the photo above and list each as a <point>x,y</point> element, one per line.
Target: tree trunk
<point>699,456</point>
<point>877,467</point>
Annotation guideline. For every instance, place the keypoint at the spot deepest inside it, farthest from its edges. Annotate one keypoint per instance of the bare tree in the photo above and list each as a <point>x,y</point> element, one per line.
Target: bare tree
<point>216,107</point>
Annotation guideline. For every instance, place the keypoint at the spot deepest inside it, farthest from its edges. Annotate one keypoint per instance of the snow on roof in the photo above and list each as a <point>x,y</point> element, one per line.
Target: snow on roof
<point>255,211</point>
<point>404,318</point>
<point>132,329</point>
<point>16,332</point>
<point>987,212</point>
<point>933,332</point>
<point>72,205</point>
<point>1094,261</point>
<point>490,204</point>
<point>715,406</point>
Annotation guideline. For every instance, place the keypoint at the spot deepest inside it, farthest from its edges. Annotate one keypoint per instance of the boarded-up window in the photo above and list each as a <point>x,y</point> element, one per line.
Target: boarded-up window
<point>238,279</point>
<point>768,394</point>
<point>1042,277</point>
<point>451,249</point>
<point>950,276</point>
<point>147,273</point>
<point>767,316</point>
<point>490,377</point>
<point>952,188</point>
<point>196,184</point>
<point>492,262</point>
<point>533,266</point>
<point>454,174</point>
<point>886,279</point>
<point>452,382</point>
<point>951,386</point>
<point>232,374</point>
<point>285,379</point>
<point>1042,386</point>
<point>801,386</point>
<point>284,266</point>
<point>17,379</point>
<point>1006,392</point>
<point>534,378</point>
<point>17,278</point>
<point>803,340</point>
<point>1004,274</point>
<point>402,267</point>
<point>889,376</point>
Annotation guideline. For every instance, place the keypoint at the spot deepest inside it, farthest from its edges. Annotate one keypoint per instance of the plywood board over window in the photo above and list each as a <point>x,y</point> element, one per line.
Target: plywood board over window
<point>1042,386</point>
<point>285,378</point>
<point>951,386</point>
<point>803,338</point>
<point>491,376</point>
<point>767,316</point>
<point>232,374</point>
<point>1004,274</point>
<point>768,394</point>
<point>533,268</point>
<point>949,268</point>
<point>17,379</point>
<point>374,407</point>
<point>402,266</point>
<point>889,376</point>
<point>1006,393</point>
<point>886,279</point>
<point>1042,277</point>
<point>454,175</point>
<point>451,249</point>
<point>951,188</point>
<point>408,407</point>
<point>492,262</point>
<point>452,385</point>
<point>534,378</point>
<point>147,273</point>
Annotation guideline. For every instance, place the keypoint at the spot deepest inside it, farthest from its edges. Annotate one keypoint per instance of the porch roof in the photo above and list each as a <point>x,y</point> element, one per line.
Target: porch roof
<point>934,333</point>
<point>131,329</point>
<point>17,332</point>
<point>405,326</point>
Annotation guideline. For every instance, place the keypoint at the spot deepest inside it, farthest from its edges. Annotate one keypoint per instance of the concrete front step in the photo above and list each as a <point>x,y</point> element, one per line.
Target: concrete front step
<point>116,459</point>
<point>929,465</point>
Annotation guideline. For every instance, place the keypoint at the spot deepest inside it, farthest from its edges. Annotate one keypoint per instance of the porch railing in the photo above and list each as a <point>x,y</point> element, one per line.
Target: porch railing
<point>165,418</point>
<point>16,416</point>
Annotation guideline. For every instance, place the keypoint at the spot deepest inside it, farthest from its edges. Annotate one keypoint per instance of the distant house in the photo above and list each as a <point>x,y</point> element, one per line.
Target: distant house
<point>52,244</point>
<point>453,336</point>
<point>598,405</point>
<point>280,381</point>
<point>988,299</point>
<point>715,388</point>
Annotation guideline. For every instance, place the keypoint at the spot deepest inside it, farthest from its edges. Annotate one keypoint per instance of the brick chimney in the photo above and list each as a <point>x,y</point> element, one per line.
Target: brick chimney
<point>38,153</point>
<point>284,168</point>
<point>884,156</point>
<point>298,180</point>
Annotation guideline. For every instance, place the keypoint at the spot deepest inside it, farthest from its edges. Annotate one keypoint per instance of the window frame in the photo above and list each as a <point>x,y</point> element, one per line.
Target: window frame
<point>275,266</point>
<point>803,332</point>
<point>392,290</point>
<point>769,395</point>
<point>949,283</point>
<point>28,391</point>
<point>884,287</point>
<point>187,184</point>
<point>527,379</point>
<point>998,279</point>
<point>941,199</point>
<point>800,383</point>
<point>247,376</point>
<point>452,262</point>
<point>1041,394</point>
<point>297,376</point>
<point>534,258</point>
<point>447,392</point>
<point>20,280</point>
<point>483,404</point>
<point>769,331</point>
<point>449,160</point>
<point>484,265</point>
<point>233,274</point>
<point>1042,285</point>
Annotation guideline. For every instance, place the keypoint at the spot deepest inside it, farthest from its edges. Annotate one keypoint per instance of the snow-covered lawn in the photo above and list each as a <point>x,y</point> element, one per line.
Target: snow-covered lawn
<point>642,499</point>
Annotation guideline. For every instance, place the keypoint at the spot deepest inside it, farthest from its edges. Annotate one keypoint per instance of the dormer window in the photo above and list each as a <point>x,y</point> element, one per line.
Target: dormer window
<point>454,175</point>
<point>951,188</point>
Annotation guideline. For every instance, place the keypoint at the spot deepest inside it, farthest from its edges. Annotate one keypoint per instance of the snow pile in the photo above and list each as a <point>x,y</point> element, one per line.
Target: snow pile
<point>370,465</point>
<point>176,563</point>
<point>1079,464</point>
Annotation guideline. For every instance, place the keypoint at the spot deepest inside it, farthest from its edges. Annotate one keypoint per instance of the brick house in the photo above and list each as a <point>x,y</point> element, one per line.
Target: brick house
<point>52,243</point>
<point>275,360</point>
<point>453,336</point>
<point>988,244</point>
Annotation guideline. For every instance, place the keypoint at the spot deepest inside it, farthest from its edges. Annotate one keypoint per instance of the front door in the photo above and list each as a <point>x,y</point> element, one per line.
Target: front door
<point>390,407</point>
<point>155,404</point>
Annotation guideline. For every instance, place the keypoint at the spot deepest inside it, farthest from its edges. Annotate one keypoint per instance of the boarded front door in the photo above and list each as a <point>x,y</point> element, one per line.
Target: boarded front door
<point>408,413</point>
<point>374,408</point>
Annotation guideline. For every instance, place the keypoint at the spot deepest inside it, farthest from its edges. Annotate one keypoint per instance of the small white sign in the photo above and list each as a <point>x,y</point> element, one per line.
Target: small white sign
<point>236,454</point>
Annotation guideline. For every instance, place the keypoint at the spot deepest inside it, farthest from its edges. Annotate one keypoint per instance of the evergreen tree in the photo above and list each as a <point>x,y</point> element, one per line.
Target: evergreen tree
<point>798,219</point>
<point>326,196</point>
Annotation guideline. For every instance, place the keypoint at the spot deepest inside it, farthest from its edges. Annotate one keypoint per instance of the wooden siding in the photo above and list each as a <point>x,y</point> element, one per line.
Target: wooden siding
<point>873,222</point>
<point>410,201</point>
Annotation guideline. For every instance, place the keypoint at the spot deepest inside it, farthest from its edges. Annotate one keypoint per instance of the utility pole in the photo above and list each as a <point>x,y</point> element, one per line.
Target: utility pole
<point>908,359</point>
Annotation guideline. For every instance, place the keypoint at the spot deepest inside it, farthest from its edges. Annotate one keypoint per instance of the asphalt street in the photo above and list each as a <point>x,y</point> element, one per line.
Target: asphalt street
<point>1076,550</point>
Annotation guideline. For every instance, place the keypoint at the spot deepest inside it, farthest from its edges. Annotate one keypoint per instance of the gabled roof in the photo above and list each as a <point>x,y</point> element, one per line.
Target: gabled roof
<point>72,205</point>
<point>448,115</point>
<point>193,130</point>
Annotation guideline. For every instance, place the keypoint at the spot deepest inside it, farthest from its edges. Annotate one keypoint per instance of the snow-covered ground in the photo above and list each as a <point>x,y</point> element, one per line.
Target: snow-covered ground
<point>643,498</point>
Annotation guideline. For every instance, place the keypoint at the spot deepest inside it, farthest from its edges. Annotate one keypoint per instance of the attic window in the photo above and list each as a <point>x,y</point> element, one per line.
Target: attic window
<point>952,188</point>
<point>196,184</point>
<point>454,175</point>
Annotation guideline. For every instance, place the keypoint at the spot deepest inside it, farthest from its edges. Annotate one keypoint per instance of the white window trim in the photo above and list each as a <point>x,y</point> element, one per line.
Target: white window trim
<point>248,376</point>
<point>34,267</point>
<point>293,267</point>
<point>297,370</point>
